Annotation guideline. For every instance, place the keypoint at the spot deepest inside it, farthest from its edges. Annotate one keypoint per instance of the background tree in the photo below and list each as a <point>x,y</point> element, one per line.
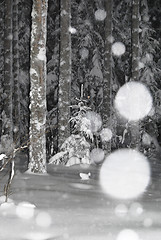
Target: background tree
<point>107,93</point>
<point>134,126</point>
<point>64,92</point>
<point>7,120</point>
<point>16,95</point>
<point>37,155</point>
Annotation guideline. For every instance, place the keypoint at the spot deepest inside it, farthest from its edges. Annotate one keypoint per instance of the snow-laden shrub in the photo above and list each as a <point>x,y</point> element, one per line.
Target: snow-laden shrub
<point>75,150</point>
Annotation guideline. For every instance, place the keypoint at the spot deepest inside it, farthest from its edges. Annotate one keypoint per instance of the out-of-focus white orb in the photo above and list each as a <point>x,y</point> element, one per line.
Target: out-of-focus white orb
<point>100,15</point>
<point>43,219</point>
<point>110,39</point>
<point>121,210</point>
<point>72,30</point>
<point>125,174</point>
<point>97,155</point>
<point>127,234</point>
<point>95,120</point>
<point>133,101</point>
<point>118,48</point>
<point>106,134</point>
<point>25,210</point>
<point>148,222</point>
<point>136,209</point>
<point>84,53</point>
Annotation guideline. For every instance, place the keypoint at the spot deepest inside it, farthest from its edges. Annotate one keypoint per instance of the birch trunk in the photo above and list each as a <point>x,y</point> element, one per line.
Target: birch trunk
<point>65,73</point>
<point>37,151</point>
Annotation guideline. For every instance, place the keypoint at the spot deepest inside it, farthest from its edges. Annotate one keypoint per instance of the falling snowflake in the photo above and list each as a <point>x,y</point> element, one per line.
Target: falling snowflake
<point>118,48</point>
<point>133,101</point>
<point>100,15</point>
<point>125,174</point>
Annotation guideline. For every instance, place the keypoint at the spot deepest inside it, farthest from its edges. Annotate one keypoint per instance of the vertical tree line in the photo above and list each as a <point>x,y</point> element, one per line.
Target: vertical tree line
<point>81,55</point>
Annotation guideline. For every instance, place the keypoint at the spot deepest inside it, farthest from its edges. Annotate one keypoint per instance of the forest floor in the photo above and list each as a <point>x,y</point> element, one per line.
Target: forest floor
<point>67,207</point>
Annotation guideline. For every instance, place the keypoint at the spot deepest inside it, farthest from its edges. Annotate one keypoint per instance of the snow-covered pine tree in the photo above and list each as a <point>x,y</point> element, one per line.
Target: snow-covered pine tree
<point>150,74</point>
<point>76,148</point>
<point>88,51</point>
<point>37,149</point>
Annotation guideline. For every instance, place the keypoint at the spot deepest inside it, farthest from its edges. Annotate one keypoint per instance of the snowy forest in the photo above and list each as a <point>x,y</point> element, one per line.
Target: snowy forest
<point>80,94</point>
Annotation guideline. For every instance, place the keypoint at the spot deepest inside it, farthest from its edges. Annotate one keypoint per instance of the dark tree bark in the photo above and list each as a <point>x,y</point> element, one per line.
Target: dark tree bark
<point>37,154</point>
<point>135,126</point>
<point>16,95</point>
<point>7,128</point>
<point>106,111</point>
<point>65,73</point>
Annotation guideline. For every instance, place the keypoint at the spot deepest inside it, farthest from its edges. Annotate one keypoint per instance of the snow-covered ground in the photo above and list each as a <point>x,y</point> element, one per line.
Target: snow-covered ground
<point>64,206</point>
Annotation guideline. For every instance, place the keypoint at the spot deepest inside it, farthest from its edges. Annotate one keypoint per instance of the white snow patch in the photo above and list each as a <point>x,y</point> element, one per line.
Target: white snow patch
<point>2,156</point>
<point>33,72</point>
<point>106,134</point>
<point>43,219</point>
<point>97,155</point>
<point>125,174</point>
<point>38,236</point>
<point>25,210</point>
<point>85,176</point>
<point>81,186</point>
<point>62,128</point>
<point>72,30</point>
<point>73,161</point>
<point>100,14</point>
<point>42,54</point>
<point>128,234</point>
<point>62,63</point>
<point>63,12</point>
<point>118,48</point>
<point>3,199</point>
<point>133,101</point>
<point>141,65</point>
<point>6,205</point>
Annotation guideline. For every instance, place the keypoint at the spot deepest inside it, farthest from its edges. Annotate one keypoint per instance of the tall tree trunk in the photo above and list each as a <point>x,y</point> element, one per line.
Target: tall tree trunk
<point>65,73</point>
<point>1,60</point>
<point>135,126</point>
<point>37,153</point>
<point>7,130</point>
<point>135,39</point>
<point>16,96</point>
<point>106,113</point>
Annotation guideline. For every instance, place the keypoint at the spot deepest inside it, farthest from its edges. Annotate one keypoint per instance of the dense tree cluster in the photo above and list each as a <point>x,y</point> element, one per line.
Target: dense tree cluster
<point>80,35</point>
